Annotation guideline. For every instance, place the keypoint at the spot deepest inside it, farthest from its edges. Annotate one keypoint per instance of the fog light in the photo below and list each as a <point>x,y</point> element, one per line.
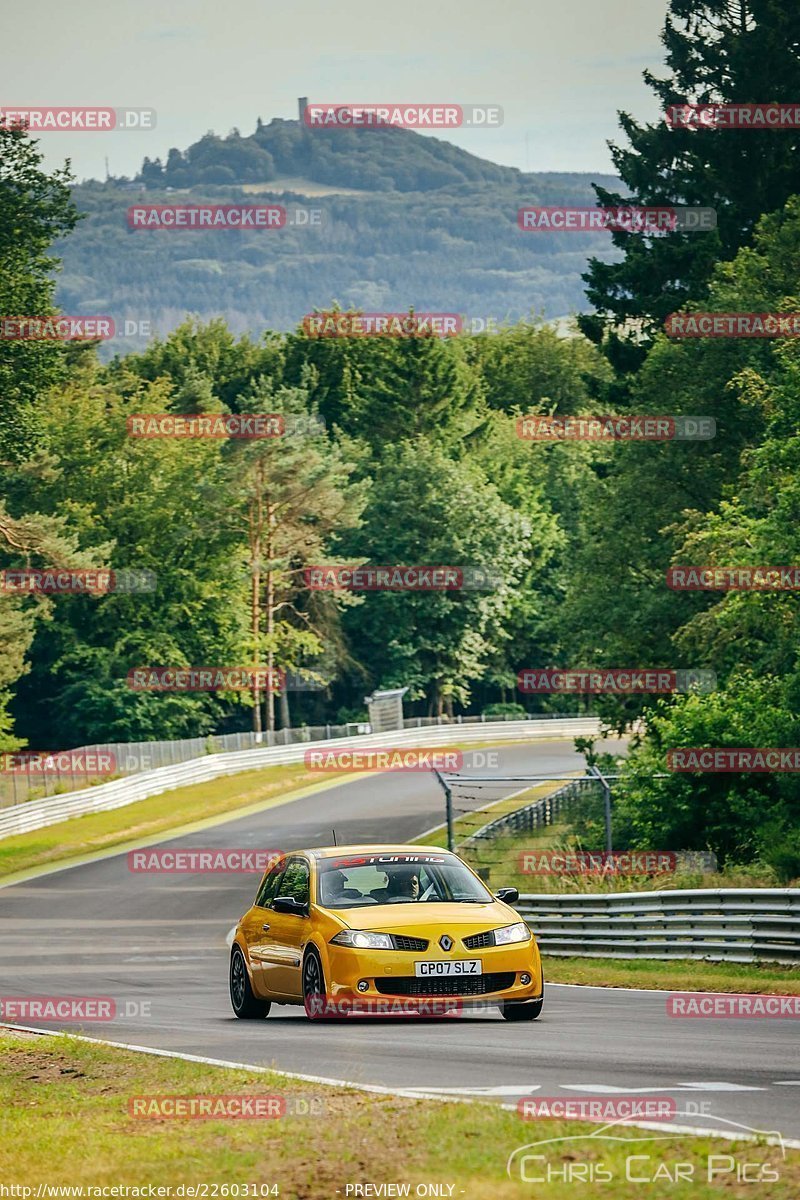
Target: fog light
<point>524,978</point>
<point>363,985</point>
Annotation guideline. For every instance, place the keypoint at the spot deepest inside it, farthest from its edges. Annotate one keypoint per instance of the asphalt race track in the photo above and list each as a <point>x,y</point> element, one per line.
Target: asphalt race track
<point>159,940</point>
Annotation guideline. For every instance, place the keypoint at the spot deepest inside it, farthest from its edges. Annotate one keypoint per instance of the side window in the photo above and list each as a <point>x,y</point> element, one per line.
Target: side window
<point>269,885</point>
<point>295,882</point>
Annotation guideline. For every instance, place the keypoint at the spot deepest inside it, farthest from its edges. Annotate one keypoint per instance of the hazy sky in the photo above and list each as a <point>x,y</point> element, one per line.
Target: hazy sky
<point>559,68</point>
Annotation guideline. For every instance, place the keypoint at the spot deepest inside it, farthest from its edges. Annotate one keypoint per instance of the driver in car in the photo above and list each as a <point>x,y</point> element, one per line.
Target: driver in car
<point>403,884</point>
<point>337,888</point>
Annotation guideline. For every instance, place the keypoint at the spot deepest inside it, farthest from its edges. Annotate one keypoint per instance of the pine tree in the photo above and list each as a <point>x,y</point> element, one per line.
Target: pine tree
<point>718,51</point>
<point>35,210</point>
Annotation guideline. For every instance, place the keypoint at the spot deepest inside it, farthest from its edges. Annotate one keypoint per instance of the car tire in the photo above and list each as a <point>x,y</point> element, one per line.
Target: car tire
<point>524,1010</point>
<point>313,983</point>
<point>244,1003</point>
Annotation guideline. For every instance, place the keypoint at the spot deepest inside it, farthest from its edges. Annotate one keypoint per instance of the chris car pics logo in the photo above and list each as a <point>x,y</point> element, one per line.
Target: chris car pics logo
<point>616,1155</point>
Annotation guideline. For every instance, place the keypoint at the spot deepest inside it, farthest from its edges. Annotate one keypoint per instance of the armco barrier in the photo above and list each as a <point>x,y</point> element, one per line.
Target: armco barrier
<point>731,924</point>
<point>131,758</point>
<point>36,814</point>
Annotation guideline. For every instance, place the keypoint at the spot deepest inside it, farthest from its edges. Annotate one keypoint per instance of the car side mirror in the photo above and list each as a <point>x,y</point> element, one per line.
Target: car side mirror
<point>509,895</point>
<point>288,904</point>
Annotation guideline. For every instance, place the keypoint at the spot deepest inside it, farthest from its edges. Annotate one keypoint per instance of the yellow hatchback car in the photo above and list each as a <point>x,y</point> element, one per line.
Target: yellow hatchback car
<point>382,921</point>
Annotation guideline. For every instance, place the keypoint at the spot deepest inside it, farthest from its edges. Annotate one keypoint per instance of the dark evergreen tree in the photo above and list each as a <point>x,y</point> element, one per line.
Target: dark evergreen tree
<point>718,51</point>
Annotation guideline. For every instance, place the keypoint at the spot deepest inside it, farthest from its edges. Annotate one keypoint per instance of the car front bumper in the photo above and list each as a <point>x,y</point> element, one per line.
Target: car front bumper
<point>391,973</point>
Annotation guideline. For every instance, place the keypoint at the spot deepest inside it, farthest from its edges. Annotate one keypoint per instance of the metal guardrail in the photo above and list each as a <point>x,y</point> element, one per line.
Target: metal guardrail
<point>717,924</point>
<point>36,814</point>
<point>131,758</point>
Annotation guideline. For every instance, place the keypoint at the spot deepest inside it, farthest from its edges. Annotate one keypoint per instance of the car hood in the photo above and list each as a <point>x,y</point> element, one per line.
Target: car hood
<point>427,917</point>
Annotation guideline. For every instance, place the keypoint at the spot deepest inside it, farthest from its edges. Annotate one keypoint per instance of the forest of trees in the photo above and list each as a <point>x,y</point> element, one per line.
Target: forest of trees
<point>455,249</point>
<point>406,450</point>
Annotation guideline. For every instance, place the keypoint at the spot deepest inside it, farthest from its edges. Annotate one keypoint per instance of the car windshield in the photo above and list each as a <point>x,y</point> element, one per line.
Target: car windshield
<point>369,879</point>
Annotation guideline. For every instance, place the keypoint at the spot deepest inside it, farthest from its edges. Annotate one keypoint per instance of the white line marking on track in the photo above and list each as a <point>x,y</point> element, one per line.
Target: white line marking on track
<point>720,1086</point>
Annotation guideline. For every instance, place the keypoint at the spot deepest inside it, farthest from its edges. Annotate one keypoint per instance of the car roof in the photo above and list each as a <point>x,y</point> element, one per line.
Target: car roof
<point>373,848</point>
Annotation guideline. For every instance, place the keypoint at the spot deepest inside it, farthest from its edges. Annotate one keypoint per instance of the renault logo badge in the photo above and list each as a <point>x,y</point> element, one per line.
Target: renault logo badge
<point>446,942</point>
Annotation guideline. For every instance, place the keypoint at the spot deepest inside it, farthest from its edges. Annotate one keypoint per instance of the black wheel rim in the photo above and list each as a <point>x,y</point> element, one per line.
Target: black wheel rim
<point>312,977</point>
<point>237,980</point>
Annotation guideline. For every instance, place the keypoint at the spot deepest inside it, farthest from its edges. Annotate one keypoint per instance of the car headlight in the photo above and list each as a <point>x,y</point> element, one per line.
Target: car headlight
<point>361,939</point>
<point>512,933</point>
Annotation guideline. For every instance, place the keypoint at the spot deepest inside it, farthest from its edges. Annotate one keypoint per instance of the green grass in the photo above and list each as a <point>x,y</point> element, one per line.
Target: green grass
<point>676,975</point>
<point>65,1121</point>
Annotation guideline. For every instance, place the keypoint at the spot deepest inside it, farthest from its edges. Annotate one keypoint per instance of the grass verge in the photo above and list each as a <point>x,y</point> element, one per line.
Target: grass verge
<point>65,1112</point>
<point>676,975</point>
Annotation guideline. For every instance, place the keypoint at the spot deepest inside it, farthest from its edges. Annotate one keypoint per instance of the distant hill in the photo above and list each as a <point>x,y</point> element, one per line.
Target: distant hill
<point>375,160</point>
<point>417,221</point>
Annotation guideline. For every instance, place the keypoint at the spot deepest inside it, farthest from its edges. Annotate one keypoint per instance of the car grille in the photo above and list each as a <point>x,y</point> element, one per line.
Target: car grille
<point>479,940</point>
<point>401,942</point>
<point>462,985</point>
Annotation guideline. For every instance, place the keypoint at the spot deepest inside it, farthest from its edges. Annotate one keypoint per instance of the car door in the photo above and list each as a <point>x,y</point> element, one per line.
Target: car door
<point>257,927</point>
<point>288,932</point>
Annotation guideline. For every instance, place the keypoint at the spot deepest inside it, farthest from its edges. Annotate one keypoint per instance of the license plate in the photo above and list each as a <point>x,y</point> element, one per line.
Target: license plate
<point>459,966</point>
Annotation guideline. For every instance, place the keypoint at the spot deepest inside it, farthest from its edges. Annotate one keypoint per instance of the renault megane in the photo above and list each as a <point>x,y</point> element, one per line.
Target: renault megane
<point>382,921</point>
